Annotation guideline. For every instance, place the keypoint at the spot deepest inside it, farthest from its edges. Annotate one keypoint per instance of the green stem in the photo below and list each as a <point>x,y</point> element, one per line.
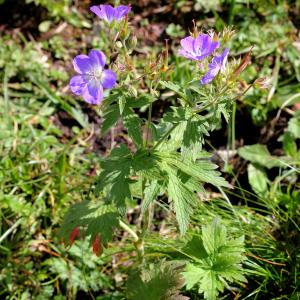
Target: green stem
<point>148,125</point>
<point>129,230</point>
<point>233,126</point>
<point>138,243</point>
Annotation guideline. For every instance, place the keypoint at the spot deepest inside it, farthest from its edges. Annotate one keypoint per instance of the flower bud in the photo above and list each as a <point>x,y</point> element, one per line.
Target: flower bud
<point>132,42</point>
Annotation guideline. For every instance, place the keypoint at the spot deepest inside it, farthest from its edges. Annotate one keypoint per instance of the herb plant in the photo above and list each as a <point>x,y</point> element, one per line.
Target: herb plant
<point>166,164</point>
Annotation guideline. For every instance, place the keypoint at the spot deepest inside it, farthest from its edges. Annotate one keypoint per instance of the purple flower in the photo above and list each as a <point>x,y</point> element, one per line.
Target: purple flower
<point>198,48</point>
<point>109,13</point>
<point>218,64</point>
<point>92,77</point>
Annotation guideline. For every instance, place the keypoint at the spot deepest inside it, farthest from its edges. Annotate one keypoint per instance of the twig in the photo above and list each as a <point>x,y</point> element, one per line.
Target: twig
<point>265,260</point>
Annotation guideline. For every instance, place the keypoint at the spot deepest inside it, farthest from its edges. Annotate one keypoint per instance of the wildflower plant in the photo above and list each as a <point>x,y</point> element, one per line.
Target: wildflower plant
<point>167,164</point>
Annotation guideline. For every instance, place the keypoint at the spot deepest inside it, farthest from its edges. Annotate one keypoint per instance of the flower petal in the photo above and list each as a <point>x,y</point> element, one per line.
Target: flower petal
<point>121,11</point>
<point>82,64</point>
<point>109,79</point>
<point>97,59</point>
<point>202,41</point>
<point>212,47</point>
<point>108,12</point>
<point>77,84</point>
<point>186,54</point>
<point>188,44</point>
<point>93,92</point>
<point>209,76</point>
<point>224,57</point>
<point>97,11</point>
<point>205,46</point>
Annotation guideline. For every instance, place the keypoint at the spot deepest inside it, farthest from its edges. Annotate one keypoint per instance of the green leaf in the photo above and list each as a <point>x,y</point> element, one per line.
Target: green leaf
<point>213,237</point>
<point>289,144</point>
<point>294,127</point>
<point>217,260</point>
<point>259,154</point>
<point>161,281</point>
<point>178,114</point>
<point>133,125</point>
<point>210,285</point>
<point>183,200</point>
<point>200,170</point>
<point>103,222</point>
<point>183,179</point>
<point>110,118</point>
<point>92,218</point>
<point>172,86</point>
<point>151,192</point>
<point>195,248</point>
<point>258,180</point>
<point>193,138</point>
<point>141,101</point>
<point>115,177</point>
<point>193,274</point>
<point>146,165</point>
<point>122,104</point>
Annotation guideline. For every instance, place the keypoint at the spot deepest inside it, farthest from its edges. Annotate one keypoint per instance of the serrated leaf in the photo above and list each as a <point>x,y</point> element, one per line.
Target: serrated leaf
<point>178,114</point>
<point>92,218</point>
<point>201,170</point>
<point>213,237</point>
<point>193,275</point>
<point>161,281</point>
<point>145,164</point>
<point>110,118</point>
<point>183,201</point>
<point>173,87</point>
<point>222,109</point>
<point>115,176</point>
<point>195,248</point>
<point>122,104</point>
<point>210,285</point>
<point>193,139</point>
<point>141,101</point>
<point>151,191</point>
<point>133,125</point>
<point>217,260</point>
